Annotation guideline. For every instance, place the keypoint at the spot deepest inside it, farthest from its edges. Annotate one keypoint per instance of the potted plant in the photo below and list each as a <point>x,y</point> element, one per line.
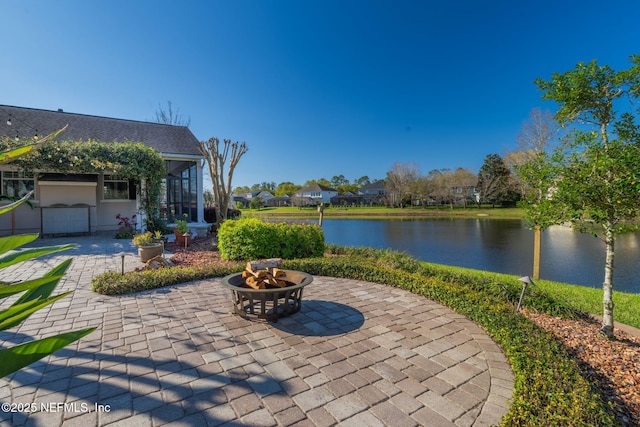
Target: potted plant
<point>147,249</point>
<point>158,237</point>
<point>181,231</point>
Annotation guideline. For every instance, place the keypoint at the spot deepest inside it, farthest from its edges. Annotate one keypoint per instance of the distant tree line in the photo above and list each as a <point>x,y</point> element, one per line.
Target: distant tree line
<point>405,185</point>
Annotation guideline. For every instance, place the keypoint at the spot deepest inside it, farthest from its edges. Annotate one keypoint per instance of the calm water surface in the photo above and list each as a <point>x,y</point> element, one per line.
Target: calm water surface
<point>504,246</point>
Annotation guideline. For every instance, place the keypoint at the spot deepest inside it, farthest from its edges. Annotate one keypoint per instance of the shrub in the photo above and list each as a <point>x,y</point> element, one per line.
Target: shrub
<point>252,238</point>
<point>112,283</point>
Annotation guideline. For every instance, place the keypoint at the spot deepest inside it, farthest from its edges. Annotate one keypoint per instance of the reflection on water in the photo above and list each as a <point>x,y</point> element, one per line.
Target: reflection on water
<point>504,246</point>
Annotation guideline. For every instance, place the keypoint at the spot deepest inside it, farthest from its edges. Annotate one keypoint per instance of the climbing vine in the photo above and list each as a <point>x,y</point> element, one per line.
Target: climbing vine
<point>128,159</point>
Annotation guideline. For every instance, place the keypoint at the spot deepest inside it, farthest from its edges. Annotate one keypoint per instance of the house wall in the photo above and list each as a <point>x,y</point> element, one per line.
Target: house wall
<point>21,220</point>
<point>108,209</point>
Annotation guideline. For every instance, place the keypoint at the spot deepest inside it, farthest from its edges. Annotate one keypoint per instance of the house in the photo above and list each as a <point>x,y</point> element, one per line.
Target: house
<point>314,194</point>
<point>373,193</point>
<point>84,202</point>
<point>268,199</point>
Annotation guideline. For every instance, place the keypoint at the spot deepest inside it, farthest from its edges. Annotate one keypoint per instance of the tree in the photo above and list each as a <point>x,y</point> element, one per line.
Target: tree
<point>338,181</point>
<point>463,181</point>
<point>256,203</point>
<point>216,157</point>
<point>538,135</point>
<point>169,116</point>
<point>362,181</point>
<point>321,181</point>
<point>400,181</point>
<point>494,181</point>
<point>286,188</point>
<point>208,198</point>
<point>595,174</point>
<point>242,190</point>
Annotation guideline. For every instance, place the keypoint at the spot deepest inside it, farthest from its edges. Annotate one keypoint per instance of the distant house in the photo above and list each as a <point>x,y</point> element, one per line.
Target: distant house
<point>85,203</point>
<point>373,193</point>
<point>236,198</point>
<point>268,199</point>
<point>314,194</point>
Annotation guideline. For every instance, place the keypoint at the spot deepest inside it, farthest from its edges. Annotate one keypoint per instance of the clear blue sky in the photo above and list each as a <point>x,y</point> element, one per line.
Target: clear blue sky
<point>315,88</point>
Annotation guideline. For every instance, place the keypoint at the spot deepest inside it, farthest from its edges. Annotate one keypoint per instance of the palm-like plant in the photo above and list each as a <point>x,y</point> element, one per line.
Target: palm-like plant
<point>36,293</point>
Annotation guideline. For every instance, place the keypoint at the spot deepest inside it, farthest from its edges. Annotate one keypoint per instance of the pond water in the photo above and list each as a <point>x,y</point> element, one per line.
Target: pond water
<point>504,246</point>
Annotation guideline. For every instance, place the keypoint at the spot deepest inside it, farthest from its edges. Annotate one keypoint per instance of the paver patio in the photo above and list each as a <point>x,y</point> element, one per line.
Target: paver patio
<point>357,354</point>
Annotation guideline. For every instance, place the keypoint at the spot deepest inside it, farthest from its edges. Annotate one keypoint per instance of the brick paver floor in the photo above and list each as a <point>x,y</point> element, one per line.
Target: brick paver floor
<point>357,354</point>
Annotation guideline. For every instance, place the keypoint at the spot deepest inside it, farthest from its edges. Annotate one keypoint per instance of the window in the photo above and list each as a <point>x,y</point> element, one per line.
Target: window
<point>181,191</point>
<point>17,184</point>
<point>116,187</point>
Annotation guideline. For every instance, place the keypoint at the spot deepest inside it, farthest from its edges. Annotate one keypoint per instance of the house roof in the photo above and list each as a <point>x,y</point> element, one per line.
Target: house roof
<point>27,122</point>
<point>373,186</point>
<point>315,188</point>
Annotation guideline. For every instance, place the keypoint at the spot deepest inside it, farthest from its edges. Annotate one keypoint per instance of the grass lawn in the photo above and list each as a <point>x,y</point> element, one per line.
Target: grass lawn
<point>386,212</point>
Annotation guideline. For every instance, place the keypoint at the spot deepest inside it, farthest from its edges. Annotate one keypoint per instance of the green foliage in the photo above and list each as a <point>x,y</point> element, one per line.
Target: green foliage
<point>182,225</point>
<point>549,388</point>
<point>505,287</point>
<point>252,238</point>
<point>256,203</point>
<point>128,159</point>
<point>111,283</point>
<point>36,294</point>
<point>592,180</point>
<point>143,239</point>
<point>494,182</point>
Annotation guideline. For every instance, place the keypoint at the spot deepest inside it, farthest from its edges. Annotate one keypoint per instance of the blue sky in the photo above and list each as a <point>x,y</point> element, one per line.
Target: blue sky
<point>315,88</point>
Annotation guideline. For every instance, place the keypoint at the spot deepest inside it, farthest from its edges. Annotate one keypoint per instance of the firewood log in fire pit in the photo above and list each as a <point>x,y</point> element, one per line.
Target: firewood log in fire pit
<point>266,274</point>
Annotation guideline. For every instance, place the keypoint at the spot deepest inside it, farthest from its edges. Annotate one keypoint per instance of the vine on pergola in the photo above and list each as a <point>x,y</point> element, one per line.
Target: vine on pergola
<point>131,160</point>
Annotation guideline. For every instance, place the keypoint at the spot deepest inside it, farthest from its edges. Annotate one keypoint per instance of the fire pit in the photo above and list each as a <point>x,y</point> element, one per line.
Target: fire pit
<point>272,300</point>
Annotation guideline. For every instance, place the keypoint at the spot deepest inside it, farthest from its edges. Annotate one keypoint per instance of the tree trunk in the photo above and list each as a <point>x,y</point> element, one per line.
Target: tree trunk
<point>607,286</point>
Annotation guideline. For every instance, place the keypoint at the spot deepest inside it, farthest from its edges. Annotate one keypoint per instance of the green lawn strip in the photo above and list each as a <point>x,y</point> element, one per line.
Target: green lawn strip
<point>381,212</point>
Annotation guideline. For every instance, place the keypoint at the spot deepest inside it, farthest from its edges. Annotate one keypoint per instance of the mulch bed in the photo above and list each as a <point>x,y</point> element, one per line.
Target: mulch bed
<point>612,364</point>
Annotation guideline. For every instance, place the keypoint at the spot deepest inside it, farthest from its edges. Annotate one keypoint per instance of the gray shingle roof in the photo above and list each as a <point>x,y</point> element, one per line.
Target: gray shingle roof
<point>316,188</point>
<point>167,139</point>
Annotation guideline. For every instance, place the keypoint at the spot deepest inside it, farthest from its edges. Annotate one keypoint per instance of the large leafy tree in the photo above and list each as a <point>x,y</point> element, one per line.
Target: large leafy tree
<point>593,179</point>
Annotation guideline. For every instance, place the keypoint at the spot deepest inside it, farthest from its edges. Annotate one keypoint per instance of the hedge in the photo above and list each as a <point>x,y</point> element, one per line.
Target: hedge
<point>251,238</point>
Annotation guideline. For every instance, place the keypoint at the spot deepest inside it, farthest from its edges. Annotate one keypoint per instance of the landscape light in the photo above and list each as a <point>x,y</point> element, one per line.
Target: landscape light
<point>526,280</point>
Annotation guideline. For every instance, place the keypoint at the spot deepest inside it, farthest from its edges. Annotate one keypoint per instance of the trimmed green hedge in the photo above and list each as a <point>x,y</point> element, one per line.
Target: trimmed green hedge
<point>251,238</point>
<point>549,388</point>
<point>112,283</point>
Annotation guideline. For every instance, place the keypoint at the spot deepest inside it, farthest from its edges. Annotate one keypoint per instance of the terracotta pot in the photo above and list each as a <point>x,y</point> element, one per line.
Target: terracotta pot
<point>180,238</point>
<point>148,252</point>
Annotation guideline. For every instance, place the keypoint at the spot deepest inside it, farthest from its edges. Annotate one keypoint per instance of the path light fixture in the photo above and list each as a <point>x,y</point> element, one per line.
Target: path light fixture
<point>122,255</point>
<point>526,280</point>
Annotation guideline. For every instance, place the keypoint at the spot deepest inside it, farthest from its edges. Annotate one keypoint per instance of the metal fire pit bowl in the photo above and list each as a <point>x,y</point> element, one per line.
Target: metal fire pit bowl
<point>268,304</point>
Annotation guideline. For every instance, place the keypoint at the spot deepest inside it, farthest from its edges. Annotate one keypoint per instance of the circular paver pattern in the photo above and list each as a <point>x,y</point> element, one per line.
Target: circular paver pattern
<point>356,354</point>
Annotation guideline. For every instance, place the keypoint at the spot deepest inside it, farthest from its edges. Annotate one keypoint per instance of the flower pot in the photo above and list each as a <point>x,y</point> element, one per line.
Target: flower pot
<point>148,252</point>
